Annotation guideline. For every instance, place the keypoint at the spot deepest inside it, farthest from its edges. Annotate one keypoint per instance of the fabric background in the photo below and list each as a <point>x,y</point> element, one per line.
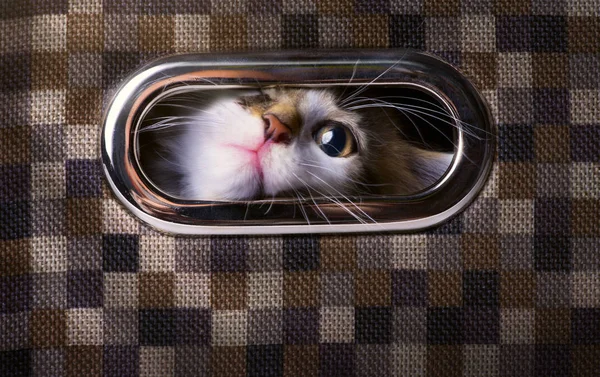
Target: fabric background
<point>511,287</point>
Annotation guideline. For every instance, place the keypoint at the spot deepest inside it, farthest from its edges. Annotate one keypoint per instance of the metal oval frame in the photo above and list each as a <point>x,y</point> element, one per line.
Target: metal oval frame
<point>471,166</point>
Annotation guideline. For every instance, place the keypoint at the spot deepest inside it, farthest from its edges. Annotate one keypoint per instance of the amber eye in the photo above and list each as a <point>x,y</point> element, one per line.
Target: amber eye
<point>336,140</point>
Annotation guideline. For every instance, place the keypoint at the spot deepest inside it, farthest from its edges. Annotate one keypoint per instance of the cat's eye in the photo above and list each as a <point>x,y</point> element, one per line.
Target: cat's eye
<point>335,140</point>
<point>182,151</point>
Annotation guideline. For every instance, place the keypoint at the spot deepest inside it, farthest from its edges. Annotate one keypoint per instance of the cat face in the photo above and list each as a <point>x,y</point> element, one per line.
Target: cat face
<point>272,143</point>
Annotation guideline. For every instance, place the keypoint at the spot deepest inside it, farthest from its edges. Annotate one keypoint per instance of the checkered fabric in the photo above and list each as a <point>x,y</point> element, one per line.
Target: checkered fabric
<point>511,287</point>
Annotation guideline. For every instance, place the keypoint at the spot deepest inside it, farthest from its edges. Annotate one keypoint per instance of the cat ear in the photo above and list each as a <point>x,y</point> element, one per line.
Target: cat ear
<point>430,166</point>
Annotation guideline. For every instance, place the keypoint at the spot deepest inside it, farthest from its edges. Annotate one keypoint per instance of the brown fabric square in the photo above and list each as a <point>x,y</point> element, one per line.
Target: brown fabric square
<point>586,360</point>
<point>552,144</point>
<point>585,217</point>
<point>85,33</point>
<point>445,288</point>
<point>517,180</point>
<point>228,291</point>
<point>156,289</point>
<point>482,68</point>
<point>84,106</point>
<point>49,70</point>
<point>301,289</point>
<point>228,33</point>
<point>517,289</point>
<point>550,70</point>
<point>338,7</point>
<point>15,145</point>
<point>338,253</point>
<point>370,31</point>
<point>301,361</point>
<point>552,326</point>
<point>444,8</point>
<point>48,328</point>
<point>15,257</point>
<point>84,361</point>
<point>583,34</point>
<point>480,251</point>
<point>228,361</point>
<point>512,7</point>
<point>84,217</point>
<point>444,361</point>
<point>373,288</point>
<point>156,33</point>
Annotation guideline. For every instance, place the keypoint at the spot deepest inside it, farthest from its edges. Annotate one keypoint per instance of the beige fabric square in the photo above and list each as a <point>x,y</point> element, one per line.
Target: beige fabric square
<point>442,33</point>
<point>265,290</point>
<point>481,360</point>
<point>583,8</point>
<point>515,70</point>
<point>264,31</point>
<point>490,190</point>
<point>516,216</point>
<point>478,34</point>
<point>48,181</point>
<point>157,361</point>
<point>48,106</point>
<point>192,33</point>
<point>84,326</point>
<point>409,251</point>
<point>81,141</point>
<point>585,106</point>
<point>157,253</point>
<point>120,290</point>
<point>116,218</point>
<point>337,325</point>
<point>14,36</point>
<point>49,33</point>
<point>491,96</point>
<point>192,290</point>
<point>49,254</point>
<point>229,327</point>
<point>298,6</point>
<point>409,360</point>
<point>85,6</point>
<point>585,180</point>
<point>585,292</point>
<point>517,326</point>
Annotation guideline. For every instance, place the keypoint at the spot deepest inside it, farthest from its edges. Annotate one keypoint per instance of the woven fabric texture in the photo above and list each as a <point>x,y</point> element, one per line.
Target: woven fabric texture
<point>511,287</point>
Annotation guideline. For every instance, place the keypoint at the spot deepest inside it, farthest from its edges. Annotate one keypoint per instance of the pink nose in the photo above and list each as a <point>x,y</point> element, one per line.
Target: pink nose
<point>275,130</point>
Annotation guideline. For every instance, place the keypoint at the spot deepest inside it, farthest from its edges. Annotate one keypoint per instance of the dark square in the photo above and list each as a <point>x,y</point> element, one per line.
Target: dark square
<point>264,361</point>
<point>192,361</point>
<point>48,143</point>
<point>585,143</point>
<point>193,326</point>
<point>15,72</point>
<point>120,253</point>
<point>549,34</point>
<point>118,65</point>
<point>228,254</point>
<point>49,7</point>
<point>583,71</point>
<point>300,253</point>
<point>452,57</point>
<point>553,360</point>
<point>552,253</point>
<point>373,325</point>
<point>481,326</point>
<point>480,288</point>
<point>301,326</point>
<point>15,293</point>
<point>409,288</point>
<point>513,33</point>
<point>15,113</point>
<point>15,181</point>
<point>264,6</point>
<point>121,361</point>
<point>85,289</point>
<point>15,220</point>
<point>444,326</point>
<point>407,31</point>
<point>552,216</point>
<point>300,31</point>
<point>157,327</point>
<point>372,6</point>
<point>337,360</point>
<point>15,363</point>
<point>585,326</point>
<point>552,106</point>
<point>84,179</point>
<point>373,360</point>
<point>159,7</point>
<point>516,360</point>
<point>454,226</point>
<point>516,142</point>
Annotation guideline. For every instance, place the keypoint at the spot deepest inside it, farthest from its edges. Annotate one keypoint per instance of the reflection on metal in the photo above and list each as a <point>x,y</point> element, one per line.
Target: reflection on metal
<point>401,69</point>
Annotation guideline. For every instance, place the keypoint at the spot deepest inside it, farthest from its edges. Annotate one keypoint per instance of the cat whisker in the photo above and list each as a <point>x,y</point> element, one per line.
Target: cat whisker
<point>312,198</point>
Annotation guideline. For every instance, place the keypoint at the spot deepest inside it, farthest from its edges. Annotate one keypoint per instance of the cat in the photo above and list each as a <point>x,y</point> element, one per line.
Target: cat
<point>290,142</point>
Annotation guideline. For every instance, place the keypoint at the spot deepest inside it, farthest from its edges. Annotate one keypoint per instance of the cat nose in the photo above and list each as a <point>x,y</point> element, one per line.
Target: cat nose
<point>275,130</point>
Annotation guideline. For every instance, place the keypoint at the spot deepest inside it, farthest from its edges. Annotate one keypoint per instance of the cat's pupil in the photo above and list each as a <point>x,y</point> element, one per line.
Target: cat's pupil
<point>335,140</point>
